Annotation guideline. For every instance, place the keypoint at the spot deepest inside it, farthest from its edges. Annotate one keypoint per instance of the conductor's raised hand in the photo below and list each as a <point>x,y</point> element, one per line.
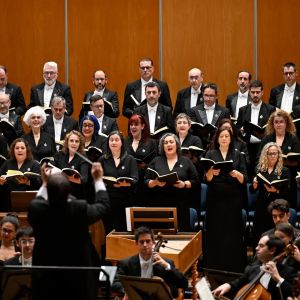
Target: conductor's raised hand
<point>45,173</point>
<point>97,171</point>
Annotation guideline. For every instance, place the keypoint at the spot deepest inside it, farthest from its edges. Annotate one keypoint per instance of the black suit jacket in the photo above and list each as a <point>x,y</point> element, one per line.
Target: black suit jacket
<point>18,131</point>
<point>277,93</point>
<point>245,115</point>
<point>109,125</point>
<point>67,225</point>
<point>131,266</point>
<point>16,97</point>
<point>60,89</point>
<point>231,102</point>
<point>163,116</point>
<point>110,96</point>
<point>134,89</point>
<point>251,271</point>
<point>183,101</point>
<point>67,125</point>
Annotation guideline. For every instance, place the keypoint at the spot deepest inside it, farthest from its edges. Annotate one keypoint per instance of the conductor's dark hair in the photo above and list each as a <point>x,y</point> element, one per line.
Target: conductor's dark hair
<point>58,188</point>
<point>143,230</point>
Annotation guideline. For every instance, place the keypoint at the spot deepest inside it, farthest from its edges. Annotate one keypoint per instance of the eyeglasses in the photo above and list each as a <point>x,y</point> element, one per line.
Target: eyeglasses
<point>87,125</point>
<point>51,73</point>
<point>146,68</point>
<point>272,153</point>
<point>288,73</point>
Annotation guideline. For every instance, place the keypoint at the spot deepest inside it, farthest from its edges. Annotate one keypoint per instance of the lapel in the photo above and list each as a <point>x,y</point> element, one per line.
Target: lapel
<point>136,265</point>
<point>279,98</point>
<point>158,117</point>
<point>105,94</point>
<point>202,114</point>
<point>247,116</point>
<point>50,125</point>
<point>199,99</point>
<point>233,104</point>
<point>56,90</point>
<point>263,115</point>
<point>64,128</point>
<point>138,91</point>
<point>88,97</point>
<point>40,92</point>
<point>187,100</point>
<point>216,116</point>
<point>105,124</point>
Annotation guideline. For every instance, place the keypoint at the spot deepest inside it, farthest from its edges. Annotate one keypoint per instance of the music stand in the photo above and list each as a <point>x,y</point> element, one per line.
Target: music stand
<point>20,200</point>
<point>138,288</point>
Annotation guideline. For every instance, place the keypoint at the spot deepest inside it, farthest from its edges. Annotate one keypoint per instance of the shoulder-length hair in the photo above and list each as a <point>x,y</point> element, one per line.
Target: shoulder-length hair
<point>93,119</point>
<point>12,149</point>
<point>65,148</point>
<point>290,126</point>
<point>215,142</point>
<point>37,111</point>
<point>161,150</point>
<point>123,150</point>
<point>139,118</point>
<point>263,159</point>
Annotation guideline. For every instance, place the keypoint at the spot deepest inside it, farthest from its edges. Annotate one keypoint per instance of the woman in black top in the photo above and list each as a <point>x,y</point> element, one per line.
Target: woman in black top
<point>143,149</point>
<point>67,158</point>
<point>20,160</point>
<point>117,163</point>
<point>173,195</point>
<point>41,143</point>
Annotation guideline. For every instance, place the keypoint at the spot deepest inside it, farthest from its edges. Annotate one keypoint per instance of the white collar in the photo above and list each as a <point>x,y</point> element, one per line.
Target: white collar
<point>145,82</point>
<point>256,106</point>
<point>210,107</point>
<point>243,95</point>
<point>290,88</point>
<point>152,108</point>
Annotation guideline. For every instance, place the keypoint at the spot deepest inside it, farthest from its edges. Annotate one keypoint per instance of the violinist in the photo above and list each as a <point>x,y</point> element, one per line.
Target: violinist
<point>148,263</point>
<point>273,276</point>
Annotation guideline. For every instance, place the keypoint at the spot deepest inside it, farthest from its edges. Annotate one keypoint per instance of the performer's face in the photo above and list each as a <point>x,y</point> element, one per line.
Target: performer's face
<point>182,125</point>
<point>73,143</point>
<point>145,245</point>
<point>289,75</point>
<point>224,138</point>
<point>4,103</point>
<point>99,80</point>
<point>20,151</point>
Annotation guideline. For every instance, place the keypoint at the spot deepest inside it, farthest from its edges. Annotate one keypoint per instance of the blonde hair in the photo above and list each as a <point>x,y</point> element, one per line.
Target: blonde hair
<point>65,148</point>
<point>263,163</point>
<point>290,127</point>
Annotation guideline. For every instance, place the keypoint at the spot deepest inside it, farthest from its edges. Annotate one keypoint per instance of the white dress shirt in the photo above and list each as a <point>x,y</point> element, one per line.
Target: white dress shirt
<point>4,116</point>
<point>210,110</point>
<point>287,98</point>
<point>57,127</point>
<point>241,101</point>
<point>96,92</point>
<point>194,96</point>
<point>100,121</point>
<point>48,90</point>
<point>152,116</point>
<point>254,119</point>
<point>146,267</point>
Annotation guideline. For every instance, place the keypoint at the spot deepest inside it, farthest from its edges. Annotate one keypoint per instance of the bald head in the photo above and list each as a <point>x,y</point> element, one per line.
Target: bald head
<point>3,77</point>
<point>4,103</point>
<point>195,78</point>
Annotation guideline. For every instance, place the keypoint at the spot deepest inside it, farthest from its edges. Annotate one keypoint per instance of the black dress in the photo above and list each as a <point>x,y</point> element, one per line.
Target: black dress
<point>61,160</point>
<point>13,185</point>
<point>45,148</point>
<point>119,197</point>
<point>224,248</point>
<point>170,196</point>
<point>262,218</point>
<point>144,153</point>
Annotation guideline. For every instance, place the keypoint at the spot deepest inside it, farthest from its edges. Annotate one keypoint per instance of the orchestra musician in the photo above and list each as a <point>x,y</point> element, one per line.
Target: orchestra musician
<point>148,263</point>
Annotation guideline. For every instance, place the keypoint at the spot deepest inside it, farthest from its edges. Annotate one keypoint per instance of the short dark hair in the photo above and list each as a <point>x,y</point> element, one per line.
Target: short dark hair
<point>279,204</point>
<point>24,231</point>
<point>11,218</point>
<point>289,65</point>
<point>152,84</point>
<point>275,242</point>
<point>255,84</point>
<point>58,189</point>
<point>215,142</point>
<point>210,85</point>
<point>123,149</point>
<point>95,98</point>
<point>143,230</point>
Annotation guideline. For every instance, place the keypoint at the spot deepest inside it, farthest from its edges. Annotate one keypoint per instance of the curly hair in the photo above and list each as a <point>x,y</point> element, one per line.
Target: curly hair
<point>263,163</point>
<point>290,127</point>
<point>65,148</point>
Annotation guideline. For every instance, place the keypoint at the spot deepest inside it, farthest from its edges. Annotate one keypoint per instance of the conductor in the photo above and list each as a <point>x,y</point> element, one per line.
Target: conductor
<point>61,228</point>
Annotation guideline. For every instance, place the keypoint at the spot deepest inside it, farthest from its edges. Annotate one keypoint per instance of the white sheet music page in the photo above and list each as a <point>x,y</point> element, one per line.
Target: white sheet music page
<point>203,290</point>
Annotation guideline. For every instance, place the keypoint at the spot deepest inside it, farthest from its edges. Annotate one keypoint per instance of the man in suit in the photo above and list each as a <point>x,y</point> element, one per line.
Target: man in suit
<point>9,132</point>
<point>277,278</point>
<point>280,211</point>
<point>135,91</point>
<point>107,124</point>
<point>58,124</point>
<point>156,114</point>
<point>257,113</point>
<point>191,96</point>
<point>240,98</point>
<point>208,112</point>
<point>286,96</point>
<point>111,106</point>
<point>148,263</point>
<point>61,228</point>
<point>43,93</point>
<point>15,92</point>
